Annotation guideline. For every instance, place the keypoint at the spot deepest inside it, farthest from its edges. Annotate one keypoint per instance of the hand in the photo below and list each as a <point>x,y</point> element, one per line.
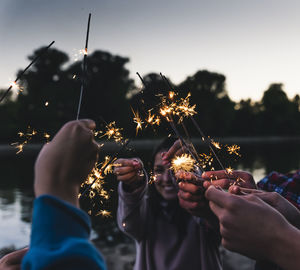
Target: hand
<point>128,171</point>
<point>13,260</point>
<point>247,224</point>
<point>224,180</point>
<point>191,195</point>
<point>289,211</point>
<point>65,162</point>
<point>177,149</point>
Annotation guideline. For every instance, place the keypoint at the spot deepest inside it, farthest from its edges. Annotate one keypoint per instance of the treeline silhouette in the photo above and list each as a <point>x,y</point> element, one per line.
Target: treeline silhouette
<point>110,92</point>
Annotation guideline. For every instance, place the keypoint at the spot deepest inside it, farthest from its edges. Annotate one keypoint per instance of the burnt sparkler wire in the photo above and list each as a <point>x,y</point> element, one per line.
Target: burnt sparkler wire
<point>22,73</point>
<point>175,130</point>
<point>84,67</point>
<point>106,165</point>
<point>205,138</point>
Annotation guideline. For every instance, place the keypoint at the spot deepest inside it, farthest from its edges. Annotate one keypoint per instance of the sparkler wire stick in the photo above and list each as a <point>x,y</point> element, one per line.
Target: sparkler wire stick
<point>173,126</point>
<point>84,67</point>
<point>22,73</point>
<point>202,134</point>
<point>106,165</point>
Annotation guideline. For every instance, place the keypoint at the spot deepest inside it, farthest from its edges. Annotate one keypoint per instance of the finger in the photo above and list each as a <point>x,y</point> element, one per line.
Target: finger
<point>218,196</point>
<point>188,204</point>
<point>186,176</point>
<point>171,152</point>
<point>124,170</point>
<point>127,177</point>
<point>191,188</point>
<point>223,183</point>
<point>216,209</point>
<point>128,162</point>
<point>16,256</point>
<point>223,174</point>
<point>190,197</point>
<point>88,123</point>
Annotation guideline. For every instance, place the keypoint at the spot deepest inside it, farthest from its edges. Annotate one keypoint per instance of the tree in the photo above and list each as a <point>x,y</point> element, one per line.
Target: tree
<point>216,110</point>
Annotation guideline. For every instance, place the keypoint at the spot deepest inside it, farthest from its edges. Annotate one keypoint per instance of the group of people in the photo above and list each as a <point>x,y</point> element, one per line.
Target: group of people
<point>175,226</point>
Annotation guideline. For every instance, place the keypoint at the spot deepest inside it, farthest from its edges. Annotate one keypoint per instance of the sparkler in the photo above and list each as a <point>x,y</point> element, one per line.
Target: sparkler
<point>14,83</point>
<point>185,162</point>
<point>84,67</point>
<point>205,139</point>
<point>112,132</point>
<point>28,135</point>
<point>137,119</point>
<point>167,111</point>
<point>99,173</point>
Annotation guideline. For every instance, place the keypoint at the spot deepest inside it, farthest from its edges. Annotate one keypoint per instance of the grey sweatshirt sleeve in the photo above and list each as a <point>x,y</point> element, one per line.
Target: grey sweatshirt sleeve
<point>132,211</point>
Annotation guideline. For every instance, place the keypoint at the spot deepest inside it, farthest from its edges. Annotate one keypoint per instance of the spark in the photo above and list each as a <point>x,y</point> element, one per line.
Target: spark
<point>229,170</point>
<point>185,162</point>
<point>16,86</point>
<point>233,149</point>
<point>46,103</point>
<point>216,144</point>
<point>171,95</point>
<point>104,213</point>
<point>112,132</point>
<point>137,120</point>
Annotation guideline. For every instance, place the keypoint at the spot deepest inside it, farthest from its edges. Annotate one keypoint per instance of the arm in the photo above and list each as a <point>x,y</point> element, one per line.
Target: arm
<point>12,260</point>
<point>132,205</point>
<point>60,231</point>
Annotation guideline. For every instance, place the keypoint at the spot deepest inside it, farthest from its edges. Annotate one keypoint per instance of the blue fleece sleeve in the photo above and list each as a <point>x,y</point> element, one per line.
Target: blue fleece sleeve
<point>60,238</point>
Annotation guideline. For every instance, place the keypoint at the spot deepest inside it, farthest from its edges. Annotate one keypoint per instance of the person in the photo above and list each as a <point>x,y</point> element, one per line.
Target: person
<point>287,185</point>
<point>258,225</point>
<point>255,233</point>
<point>166,236</point>
<point>60,230</point>
<point>13,260</point>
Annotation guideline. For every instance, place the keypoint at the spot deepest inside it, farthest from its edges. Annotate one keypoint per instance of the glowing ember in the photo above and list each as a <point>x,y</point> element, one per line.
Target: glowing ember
<point>216,144</point>
<point>185,162</point>
<point>137,120</point>
<point>46,103</point>
<point>229,170</point>
<point>233,149</point>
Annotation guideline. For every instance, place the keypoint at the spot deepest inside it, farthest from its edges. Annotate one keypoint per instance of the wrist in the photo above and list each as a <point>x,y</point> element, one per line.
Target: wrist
<point>286,247</point>
<point>68,193</point>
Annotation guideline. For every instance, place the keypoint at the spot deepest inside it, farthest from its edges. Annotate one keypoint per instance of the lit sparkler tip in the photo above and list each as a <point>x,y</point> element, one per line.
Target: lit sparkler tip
<point>46,103</point>
<point>104,213</point>
<point>185,162</point>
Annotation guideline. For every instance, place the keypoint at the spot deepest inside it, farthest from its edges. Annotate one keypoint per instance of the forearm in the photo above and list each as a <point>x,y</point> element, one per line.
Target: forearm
<point>286,249</point>
<point>132,208</point>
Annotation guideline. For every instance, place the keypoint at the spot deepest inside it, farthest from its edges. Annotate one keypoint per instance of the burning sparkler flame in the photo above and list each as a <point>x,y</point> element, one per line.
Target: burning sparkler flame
<point>185,162</point>
<point>137,119</point>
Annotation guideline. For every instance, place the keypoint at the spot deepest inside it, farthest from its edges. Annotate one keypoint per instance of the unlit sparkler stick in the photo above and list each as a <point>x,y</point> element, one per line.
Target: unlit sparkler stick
<point>84,67</point>
<point>22,73</point>
<point>106,165</point>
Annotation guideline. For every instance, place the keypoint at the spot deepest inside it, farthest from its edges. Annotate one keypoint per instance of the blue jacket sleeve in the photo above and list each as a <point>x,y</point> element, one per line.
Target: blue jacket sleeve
<point>60,238</point>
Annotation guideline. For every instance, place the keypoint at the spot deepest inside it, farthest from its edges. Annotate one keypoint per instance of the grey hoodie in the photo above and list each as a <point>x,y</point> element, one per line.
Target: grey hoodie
<point>160,244</point>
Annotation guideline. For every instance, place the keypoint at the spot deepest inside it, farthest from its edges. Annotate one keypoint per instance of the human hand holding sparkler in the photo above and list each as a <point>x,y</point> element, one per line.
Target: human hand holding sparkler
<point>289,211</point>
<point>128,171</point>
<point>177,149</point>
<point>263,233</point>
<point>64,163</point>
<point>225,179</point>
<point>13,260</point>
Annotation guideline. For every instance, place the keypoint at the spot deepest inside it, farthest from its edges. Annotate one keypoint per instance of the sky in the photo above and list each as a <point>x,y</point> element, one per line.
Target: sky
<point>253,43</point>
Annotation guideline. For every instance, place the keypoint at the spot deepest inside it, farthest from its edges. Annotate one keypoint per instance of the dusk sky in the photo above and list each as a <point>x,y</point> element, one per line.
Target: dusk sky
<point>253,43</point>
